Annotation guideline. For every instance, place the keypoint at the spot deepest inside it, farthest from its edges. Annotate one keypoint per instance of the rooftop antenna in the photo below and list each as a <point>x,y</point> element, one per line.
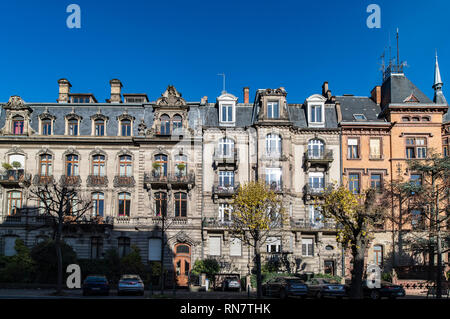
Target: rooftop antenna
<point>223,75</point>
<point>398,53</point>
<point>383,65</point>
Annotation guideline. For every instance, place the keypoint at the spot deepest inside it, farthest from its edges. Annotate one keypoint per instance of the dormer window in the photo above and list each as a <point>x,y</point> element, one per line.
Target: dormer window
<point>99,127</point>
<point>316,114</point>
<point>177,123</point>
<point>227,109</point>
<point>226,113</point>
<point>73,127</point>
<point>126,127</point>
<point>273,110</point>
<point>46,126</point>
<point>18,125</point>
<point>165,125</point>
<point>315,109</point>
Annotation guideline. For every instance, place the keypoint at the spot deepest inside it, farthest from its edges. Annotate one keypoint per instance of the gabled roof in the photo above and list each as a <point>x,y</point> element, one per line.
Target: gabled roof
<point>398,89</point>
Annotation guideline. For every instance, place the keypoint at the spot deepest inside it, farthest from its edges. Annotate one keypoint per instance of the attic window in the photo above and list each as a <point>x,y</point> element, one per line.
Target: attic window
<point>411,99</point>
<point>359,117</point>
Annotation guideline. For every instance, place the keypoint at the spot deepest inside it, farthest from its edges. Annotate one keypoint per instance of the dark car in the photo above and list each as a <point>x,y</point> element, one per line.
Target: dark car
<point>322,287</point>
<point>231,283</point>
<point>285,287</point>
<point>386,290</point>
<point>95,285</point>
<point>130,284</point>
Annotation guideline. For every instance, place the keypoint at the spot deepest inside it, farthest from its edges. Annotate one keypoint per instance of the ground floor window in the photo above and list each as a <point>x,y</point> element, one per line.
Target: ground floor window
<point>307,247</point>
<point>215,245</point>
<point>124,246</point>
<point>96,247</point>
<point>154,249</point>
<point>273,244</point>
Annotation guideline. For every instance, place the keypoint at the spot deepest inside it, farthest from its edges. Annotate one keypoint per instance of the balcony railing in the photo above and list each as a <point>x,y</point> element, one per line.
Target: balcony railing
<point>43,180</point>
<point>225,190</point>
<point>230,158</point>
<point>309,225</point>
<point>156,178</point>
<point>324,157</point>
<point>182,179</point>
<point>95,181</point>
<point>71,181</point>
<point>275,186</point>
<point>124,181</point>
<point>14,177</point>
<point>316,189</point>
<point>215,223</point>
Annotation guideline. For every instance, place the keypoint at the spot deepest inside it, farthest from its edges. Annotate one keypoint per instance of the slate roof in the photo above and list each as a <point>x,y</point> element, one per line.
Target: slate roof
<point>397,88</point>
<point>351,105</point>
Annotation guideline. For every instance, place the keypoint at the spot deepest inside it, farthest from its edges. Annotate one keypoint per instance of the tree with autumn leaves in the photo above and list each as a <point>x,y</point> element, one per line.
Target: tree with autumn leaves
<point>257,213</point>
<point>355,215</point>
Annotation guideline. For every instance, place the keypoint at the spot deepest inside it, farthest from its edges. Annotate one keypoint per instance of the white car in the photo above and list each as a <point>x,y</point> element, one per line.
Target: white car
<point>130,284</point>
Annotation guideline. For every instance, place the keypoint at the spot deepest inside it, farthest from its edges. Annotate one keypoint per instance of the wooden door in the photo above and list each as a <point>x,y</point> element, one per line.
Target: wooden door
<point>182,264</point>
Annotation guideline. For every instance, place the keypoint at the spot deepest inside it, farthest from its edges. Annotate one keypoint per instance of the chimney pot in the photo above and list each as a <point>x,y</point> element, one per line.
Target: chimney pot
<point>64,91</point>
<point>246,95</point>
<point>204,100</point>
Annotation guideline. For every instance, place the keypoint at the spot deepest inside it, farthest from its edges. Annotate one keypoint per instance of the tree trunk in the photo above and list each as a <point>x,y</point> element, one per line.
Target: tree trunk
<point>358,270</point>
<point>258,270</point>
<point>162,275</point>
<point>439,268</point>
<point>59,257</point>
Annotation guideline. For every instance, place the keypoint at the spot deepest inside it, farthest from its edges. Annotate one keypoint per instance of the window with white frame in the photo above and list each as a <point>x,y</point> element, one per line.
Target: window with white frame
<point>226,178</point>
<point>226,113</point>
<point>315,216</point>
<point>307,247</point>
<point>352,148</point>
<point>226,147</point>
<point>225,211</point>
<point>215,245</point>
<point>316,181</point>
<point>273,244</point>
<point>315,148</point>
<point>273,178</point>
<point>273,144</point>
<point>273,110</point>
<point>316,114</point>
<point>235,247</point>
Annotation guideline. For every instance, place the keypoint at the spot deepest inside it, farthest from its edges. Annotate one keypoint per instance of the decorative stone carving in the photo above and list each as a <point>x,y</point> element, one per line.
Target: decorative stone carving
<point>171,97</point>
<point>142,128</point>
<point>16,103</point>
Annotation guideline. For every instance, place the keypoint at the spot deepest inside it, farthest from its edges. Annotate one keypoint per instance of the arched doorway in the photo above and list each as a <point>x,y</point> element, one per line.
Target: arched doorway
<point>182,264</point>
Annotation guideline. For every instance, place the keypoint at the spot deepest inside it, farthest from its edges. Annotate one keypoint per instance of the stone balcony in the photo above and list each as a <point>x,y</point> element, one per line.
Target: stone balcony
<point>316,190</point>
<point>40,180</point>
<point>231,159</point>
<point>213,222</point>
<point>324,158</point>
<point>307,225</point>
<point>155,179</point>
<point>124,181</point>
<point>15,178</point>
<point>224,190</point>
<point>97,181</point>
<point>70,181</point>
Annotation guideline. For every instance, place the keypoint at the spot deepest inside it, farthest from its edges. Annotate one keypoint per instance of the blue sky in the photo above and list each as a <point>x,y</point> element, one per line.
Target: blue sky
<point>260,44</point>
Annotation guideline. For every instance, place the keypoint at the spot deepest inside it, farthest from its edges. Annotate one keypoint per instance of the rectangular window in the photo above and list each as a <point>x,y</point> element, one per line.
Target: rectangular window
<point>273,178</point>
<point>375,148</point>
<point>214,245</point>
<point>316,181</point>
<point>416,147</point>
<point>376,181</point>
<point>227,113</point>
<point>154,249</point>
<point>235,247</point>
<point>46,127</point>
<point>96,247</point>
<point>225,211</point>
<point>315,216</point>
<point>73,127</point>
<point>273,110</point>
<point>352,148</point>
<point>226,178</point>
<point>316,114</point>
<point>353,183</point>
<point>273,244</point>
<point>307,247</point>
<point>416,179</point>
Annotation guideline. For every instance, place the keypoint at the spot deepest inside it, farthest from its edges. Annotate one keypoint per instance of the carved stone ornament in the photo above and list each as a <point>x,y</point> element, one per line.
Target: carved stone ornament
<point>15,102</point>
<point>171,97</point>
<point>142,127</point>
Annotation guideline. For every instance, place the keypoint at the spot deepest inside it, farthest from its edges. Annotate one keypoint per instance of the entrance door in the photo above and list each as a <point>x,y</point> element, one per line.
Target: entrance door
<point>329,267</point>
<point>182,264</point>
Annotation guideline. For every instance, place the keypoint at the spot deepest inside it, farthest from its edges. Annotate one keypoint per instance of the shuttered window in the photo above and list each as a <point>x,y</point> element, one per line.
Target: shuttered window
<point>154,249</point>
<point>307,247</point>
<point>235,247</point>
<point>214,245</point>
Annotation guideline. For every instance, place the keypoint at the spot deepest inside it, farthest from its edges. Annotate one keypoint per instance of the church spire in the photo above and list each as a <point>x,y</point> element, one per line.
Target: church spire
<point>439,97</point>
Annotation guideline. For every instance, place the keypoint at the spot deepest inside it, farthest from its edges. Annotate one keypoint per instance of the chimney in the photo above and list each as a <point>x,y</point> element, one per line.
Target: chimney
<point>325,89</point>
<point>64,90</point>
<point>338,111</point>
<point>204,100</point>
<point>116,87</point>
<point>375,94</point>
<point>246,95</point>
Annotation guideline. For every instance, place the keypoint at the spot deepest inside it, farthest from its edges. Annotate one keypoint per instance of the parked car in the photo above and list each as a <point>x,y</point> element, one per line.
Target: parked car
<point>323,287</point>
<point>387,290</point>
<point>130,284</point>
<point>285,287</point>
<point>231,283</point>
<point>95,285</point>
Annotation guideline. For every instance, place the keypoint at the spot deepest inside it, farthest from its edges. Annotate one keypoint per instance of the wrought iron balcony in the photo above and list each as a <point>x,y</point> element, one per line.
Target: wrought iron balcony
<point>95,181</point>
<point>317,189</point>
<point>317,157</point>
<point>15,177</point>
<point>156,178</point>
<point>229,158</point>
<point>213,222</point>
<point>301,224</point>
<point>182,179</point>
<point>40,180</point>
<point>70,181</point>
<point>124,181</point>
<point>225,190</point>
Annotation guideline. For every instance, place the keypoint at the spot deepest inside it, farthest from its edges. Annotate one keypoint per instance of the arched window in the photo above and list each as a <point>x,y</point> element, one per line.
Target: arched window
<point>273,144</point>
<point>98,202</point>
<point>160,165</point>
<point>45,165</point>
<point>406,119</point>
<point>125,165</point>
<point>315,148</point>
<point>177,123</point>
<point>160,204</point>
<point>182,249</point>
<point>72,168</point>
<point>17,124</point>
<point>426,119</point>
<point>125,127</point>
<point>416,119</point>
<point>14,202</point>
<point>99,127</point>
<point>165,125</point>
<point>98,165</point>
<point>124,204</point>
<point>180,165</point>
<point>46,125</point>
<point>73,127</point>
<point>378,255</point>
<point>180,204</point>
<point>226,147</point>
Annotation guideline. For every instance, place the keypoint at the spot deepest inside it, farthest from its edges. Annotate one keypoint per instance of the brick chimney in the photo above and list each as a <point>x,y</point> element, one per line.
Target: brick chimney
<point>325,89</point>
<point>375,94</point>
<point>338,111</point>
<point>64,91</point>
<point>246,95</point>
<point>116,87</point>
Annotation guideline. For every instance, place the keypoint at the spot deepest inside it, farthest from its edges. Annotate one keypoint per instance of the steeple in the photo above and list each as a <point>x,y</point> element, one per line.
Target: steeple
<point>439,97</point>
